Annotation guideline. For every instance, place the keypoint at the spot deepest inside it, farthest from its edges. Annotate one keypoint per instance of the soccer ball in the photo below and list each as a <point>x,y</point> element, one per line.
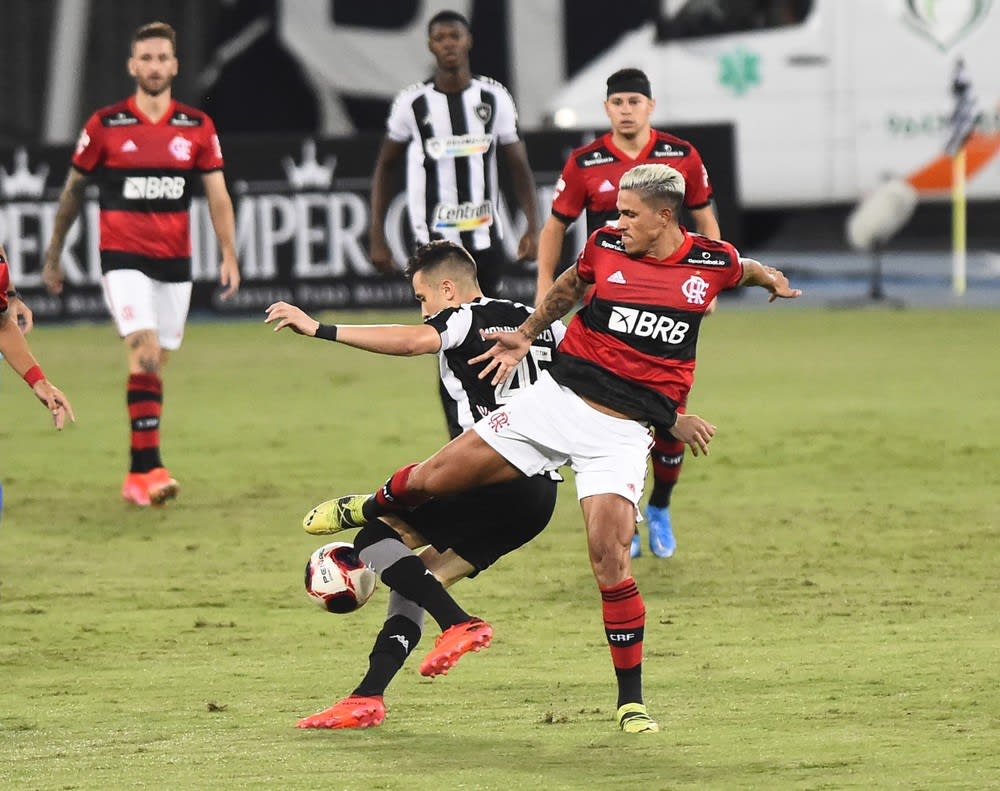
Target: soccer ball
<point>337,579</point>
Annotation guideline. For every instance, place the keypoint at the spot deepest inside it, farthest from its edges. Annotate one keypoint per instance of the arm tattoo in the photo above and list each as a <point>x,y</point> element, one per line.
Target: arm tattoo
<point>560,299</point>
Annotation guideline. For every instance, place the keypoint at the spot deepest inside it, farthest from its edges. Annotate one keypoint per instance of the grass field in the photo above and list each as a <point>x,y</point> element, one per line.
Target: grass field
<point>831,619</point>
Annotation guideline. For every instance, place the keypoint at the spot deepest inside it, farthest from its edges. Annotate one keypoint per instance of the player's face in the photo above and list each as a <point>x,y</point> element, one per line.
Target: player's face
<point>641,224</point>
<point>153,65</point>
<point>450,43</point>
<point>431,293</point>
<point>629,113</point>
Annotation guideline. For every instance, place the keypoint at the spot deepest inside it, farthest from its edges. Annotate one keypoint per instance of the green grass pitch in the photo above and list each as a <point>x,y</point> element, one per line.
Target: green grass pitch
<point>830,620</point>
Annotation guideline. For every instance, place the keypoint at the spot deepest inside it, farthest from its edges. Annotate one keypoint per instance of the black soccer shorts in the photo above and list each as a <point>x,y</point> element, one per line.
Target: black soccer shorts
<point>485,523</point>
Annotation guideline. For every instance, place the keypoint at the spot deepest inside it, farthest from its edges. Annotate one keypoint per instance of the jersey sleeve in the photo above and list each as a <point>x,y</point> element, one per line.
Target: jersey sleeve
<point>698,187</point>
<point>737,273</point>
<point>584,263</point>
<point>505,126</point>
<point>399,124</point>
<point>209,149</point>
<point>570,196</point>
<point>453,325</point>
<point>89,145</point>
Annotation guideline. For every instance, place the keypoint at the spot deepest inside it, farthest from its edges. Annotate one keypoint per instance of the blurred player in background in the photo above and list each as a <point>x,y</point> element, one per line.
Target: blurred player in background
<point>143,153</point>
<point>464,534</point>
<point>450,127</point>
<point>589,181</point>
<point>14,348</point>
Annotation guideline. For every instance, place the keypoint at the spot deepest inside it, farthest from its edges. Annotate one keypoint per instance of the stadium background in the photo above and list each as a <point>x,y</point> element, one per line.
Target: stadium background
<point>299,90</point>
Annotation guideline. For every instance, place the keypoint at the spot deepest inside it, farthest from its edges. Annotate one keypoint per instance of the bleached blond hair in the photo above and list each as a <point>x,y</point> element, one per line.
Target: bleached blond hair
<point>655,184</point>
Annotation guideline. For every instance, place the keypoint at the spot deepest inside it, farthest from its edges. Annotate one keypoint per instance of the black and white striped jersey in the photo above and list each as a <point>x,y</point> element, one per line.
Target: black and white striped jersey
<point>468,397</point>
<point>451,167</point>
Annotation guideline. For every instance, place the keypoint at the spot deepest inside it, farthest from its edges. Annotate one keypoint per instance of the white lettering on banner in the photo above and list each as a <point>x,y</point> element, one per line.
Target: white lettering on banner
<point>25,229</point>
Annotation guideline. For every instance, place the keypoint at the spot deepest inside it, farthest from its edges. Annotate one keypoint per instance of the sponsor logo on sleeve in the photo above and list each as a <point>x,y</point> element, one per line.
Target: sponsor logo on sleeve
<point>120,118</point>
<point>183,119</point>
<point>707,259</point>
<point>598,157</point>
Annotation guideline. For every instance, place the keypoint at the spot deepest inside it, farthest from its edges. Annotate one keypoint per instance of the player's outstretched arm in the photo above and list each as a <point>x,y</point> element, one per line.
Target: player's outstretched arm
<point>400,340</point>
<point>756,274</point>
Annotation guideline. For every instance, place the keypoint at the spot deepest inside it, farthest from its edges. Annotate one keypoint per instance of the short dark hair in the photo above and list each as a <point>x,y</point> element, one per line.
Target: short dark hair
<point>155,30</point>
<point>447,17</point>
<point>630,81</point>
<point>441,251</point>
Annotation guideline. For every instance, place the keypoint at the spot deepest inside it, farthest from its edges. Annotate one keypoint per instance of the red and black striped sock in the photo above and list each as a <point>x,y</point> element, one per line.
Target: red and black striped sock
<point>394,496</point>
<point>624,624</point>
<point>668,456</point>
<point>145,401</point>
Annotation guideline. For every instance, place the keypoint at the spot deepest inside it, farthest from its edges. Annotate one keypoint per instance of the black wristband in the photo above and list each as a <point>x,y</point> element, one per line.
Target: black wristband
<point>328,332</point>
<point>12,294</point>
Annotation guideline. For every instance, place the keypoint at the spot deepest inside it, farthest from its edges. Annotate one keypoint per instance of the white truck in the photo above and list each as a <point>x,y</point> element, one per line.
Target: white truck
<point>828,97</point>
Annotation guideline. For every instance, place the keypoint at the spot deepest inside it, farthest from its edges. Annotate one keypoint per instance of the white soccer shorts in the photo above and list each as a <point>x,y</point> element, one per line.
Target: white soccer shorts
<point>137,302</point>
<point>547,425</point>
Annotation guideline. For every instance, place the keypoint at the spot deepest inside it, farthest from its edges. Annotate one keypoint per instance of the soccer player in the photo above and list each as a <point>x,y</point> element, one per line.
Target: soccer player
<point>14,348</point>
<point>626,364</point>
<point>144,153</point>
<point>589,181</point>
<point>450,127</point>
<point>463,534</point>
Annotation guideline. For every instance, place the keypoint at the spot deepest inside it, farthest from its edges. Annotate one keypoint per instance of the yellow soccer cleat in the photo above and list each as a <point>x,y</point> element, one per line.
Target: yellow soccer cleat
<point>332,516</point>
<point>633,718</point>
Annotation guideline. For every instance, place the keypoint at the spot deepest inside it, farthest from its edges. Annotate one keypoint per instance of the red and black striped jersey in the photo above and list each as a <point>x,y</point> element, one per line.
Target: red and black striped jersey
<point>591,175</point>
<point>144,170</point>
<point>632,345</point>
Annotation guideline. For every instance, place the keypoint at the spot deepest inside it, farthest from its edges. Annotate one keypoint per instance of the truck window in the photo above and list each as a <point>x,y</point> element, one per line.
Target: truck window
<point>700,18</point>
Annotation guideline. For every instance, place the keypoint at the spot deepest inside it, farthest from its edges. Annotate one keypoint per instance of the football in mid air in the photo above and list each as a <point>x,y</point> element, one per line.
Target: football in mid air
<point>337,579</point>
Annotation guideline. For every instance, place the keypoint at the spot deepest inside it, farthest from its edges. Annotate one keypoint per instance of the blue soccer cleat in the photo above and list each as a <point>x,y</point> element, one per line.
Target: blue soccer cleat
<point>661,537</point>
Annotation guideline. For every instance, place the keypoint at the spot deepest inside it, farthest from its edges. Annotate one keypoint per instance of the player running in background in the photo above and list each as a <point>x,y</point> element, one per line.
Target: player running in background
<point>463,534</point>
<point>450,127</point>
<point>626,363</point>
<point>14,349</point>
<point>144,153</point>
<point>589,181</point>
